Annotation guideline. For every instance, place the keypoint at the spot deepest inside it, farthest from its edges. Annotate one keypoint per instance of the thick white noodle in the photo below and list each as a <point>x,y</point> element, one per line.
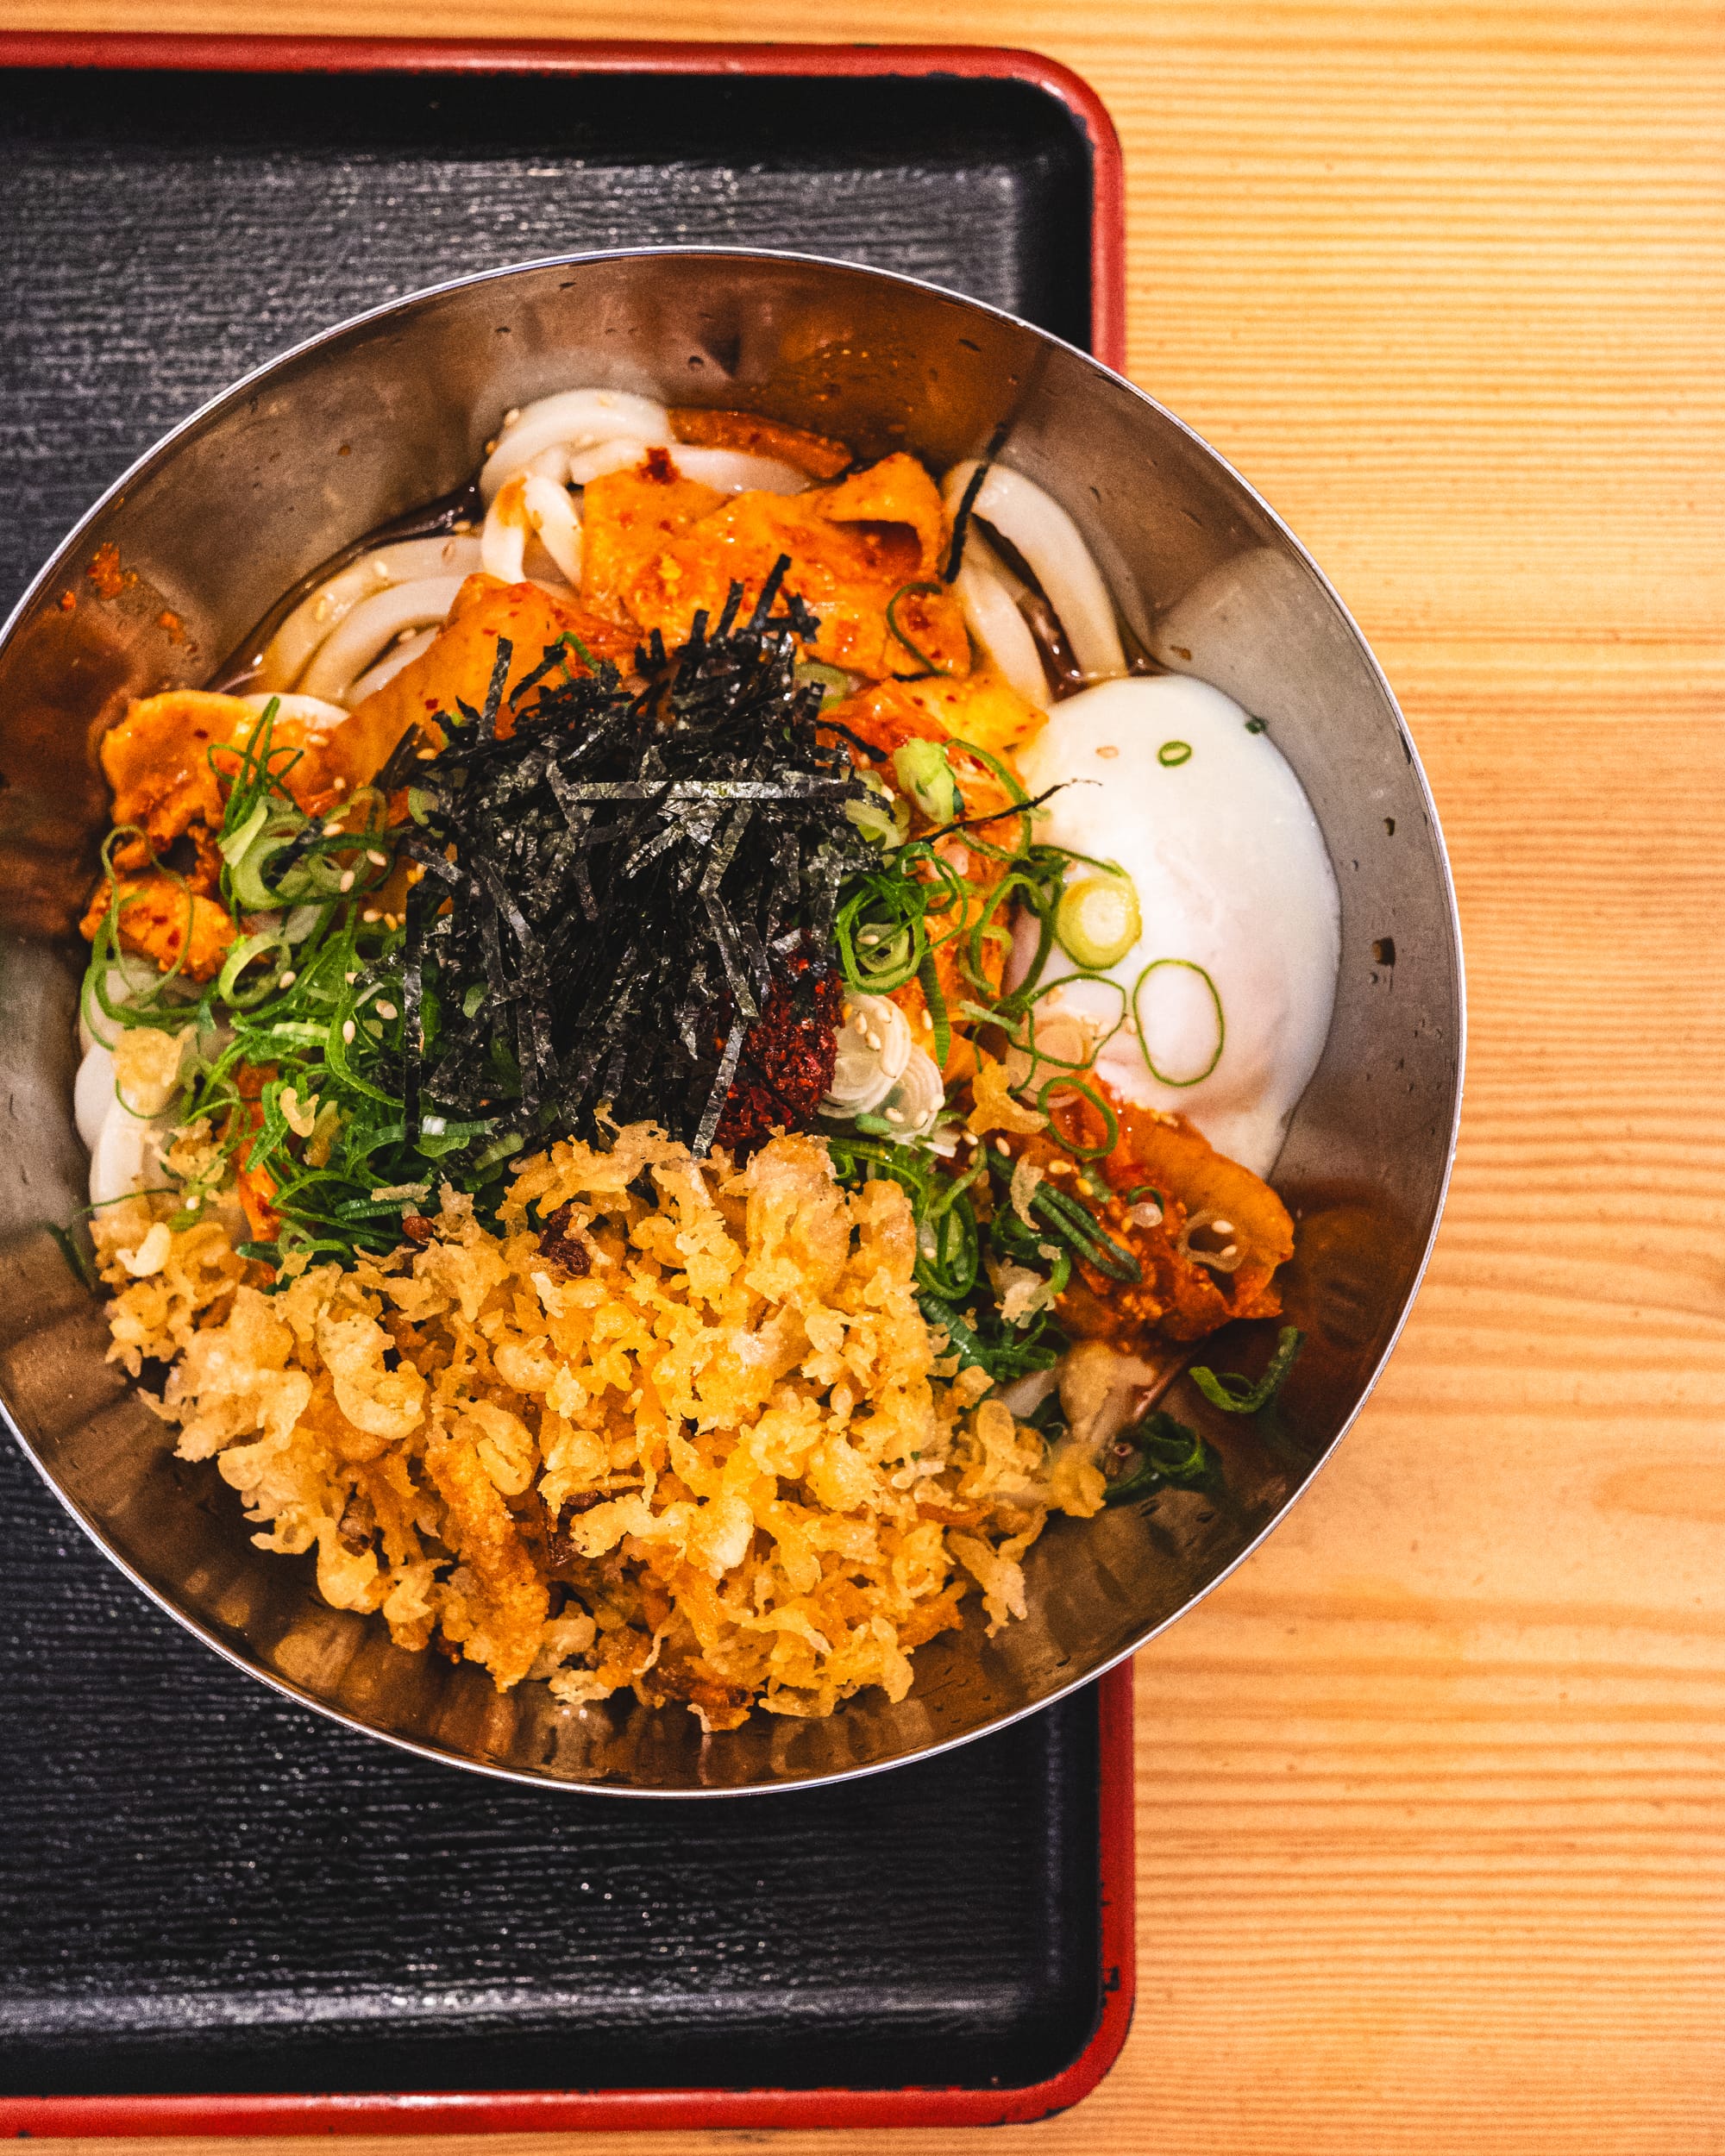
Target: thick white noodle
<point>362,633</point>
<point>527,503</point>
<point>731,471</point>
<point>127,977</point>
<point>991,615</point>
<point>977,550</point>
<point>312,710</point>
<point>127,1155</point>
<point>92,1092</point>
<point>1055,549</point>
<point>573,419</point>
<point>735,471</point>
<point>594,460</point>
<point>290,651</point>
<point>397,657</point>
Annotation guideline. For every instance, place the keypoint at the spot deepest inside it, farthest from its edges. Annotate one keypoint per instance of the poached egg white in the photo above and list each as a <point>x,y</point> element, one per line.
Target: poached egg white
<point>1226,997</point>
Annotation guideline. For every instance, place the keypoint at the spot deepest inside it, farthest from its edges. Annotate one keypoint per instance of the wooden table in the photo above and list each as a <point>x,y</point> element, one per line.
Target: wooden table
<point>1430,1838</point>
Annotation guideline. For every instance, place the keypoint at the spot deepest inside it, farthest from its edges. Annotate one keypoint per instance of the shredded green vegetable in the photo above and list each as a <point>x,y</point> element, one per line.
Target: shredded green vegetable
<point>1182,965</point>
<point>1169,1451</point>
<point>302,1025</point>
<point>910,591</point>
<point>895,923</point>
<point>1238,1395</point>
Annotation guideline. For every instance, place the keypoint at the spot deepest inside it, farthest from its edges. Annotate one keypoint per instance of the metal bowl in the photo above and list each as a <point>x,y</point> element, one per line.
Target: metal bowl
<point>364,424</point>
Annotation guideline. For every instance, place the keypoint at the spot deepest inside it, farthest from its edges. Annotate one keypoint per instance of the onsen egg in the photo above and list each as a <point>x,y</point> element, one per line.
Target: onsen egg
<point>1220,1009</point>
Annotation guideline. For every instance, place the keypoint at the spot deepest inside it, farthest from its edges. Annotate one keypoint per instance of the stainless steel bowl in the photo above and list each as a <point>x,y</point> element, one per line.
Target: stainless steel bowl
<point>388,411</point>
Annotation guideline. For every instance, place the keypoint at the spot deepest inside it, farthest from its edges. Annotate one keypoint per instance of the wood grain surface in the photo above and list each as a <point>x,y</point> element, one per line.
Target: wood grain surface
<point>1431,1827</point>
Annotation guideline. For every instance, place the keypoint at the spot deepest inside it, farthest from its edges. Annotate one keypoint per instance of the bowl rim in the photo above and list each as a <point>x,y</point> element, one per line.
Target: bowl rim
<point>235,393</point>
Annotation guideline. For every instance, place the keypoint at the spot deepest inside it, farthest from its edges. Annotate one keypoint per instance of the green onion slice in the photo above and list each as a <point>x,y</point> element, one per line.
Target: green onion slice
<point>242,955</point>
<point>1186,965</point>
<point>909,591</point>
<point>1097,919</point>
<point>1170,1451</point>
<point>1237,1395</point>
<point>923,771</point>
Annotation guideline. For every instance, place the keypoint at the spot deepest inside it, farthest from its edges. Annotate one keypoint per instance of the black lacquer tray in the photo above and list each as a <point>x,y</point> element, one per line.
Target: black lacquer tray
<point>218,1912</point>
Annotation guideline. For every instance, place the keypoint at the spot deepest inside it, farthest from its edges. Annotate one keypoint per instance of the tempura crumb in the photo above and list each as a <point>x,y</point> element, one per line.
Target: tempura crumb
<point>725,1465</point>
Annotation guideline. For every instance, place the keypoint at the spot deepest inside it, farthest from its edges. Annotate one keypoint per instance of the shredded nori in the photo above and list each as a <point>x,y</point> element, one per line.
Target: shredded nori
<point>631,872</point>
<point>961,521</point>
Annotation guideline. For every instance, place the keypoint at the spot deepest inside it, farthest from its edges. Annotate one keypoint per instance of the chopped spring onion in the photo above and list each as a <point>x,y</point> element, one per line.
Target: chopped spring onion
<point>1174,752</point>
<point>1073,1223</point>
<point>1148,1027</point>
<point>1097,919</point>
<point>833,682</point>
<point>923,771</point>
<point>1168,1450</point>
<point>1237,1395</point>
<point>901,634</point>
<point>884,819</point>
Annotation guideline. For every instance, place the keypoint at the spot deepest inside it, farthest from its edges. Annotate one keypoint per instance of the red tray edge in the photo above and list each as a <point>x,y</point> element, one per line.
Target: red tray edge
<point>621,2109</point>
<point>145,49</point>
<point>614,2111</point>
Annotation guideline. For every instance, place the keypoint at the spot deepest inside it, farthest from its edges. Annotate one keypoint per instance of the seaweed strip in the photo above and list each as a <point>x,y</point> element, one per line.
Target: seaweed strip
<point>630,872</point>
<point>961,522</point>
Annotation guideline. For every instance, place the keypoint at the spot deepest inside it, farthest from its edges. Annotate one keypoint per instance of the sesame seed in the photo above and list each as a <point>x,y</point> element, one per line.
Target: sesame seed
<point>491,447</point>
<point>1223,1227</point>
<point>287,980</point>
<point>347,1029</point>
<point>1108,752</point>
<point>385,1010</point>
<point>872,1039</point>
<point>511,415</point>
<point>1060,1168</point>
<point>424,755</point>
<point>1005,1149</point>
<point>332,830</point>
<point>895,1115</point>
<point>371,913</point>
<point>407,635</point>
<point>861,1025</point>
<point>391,920</point>
<point>377,860</point>
<point>347,879</point>
<point>1233,1250</point>
<point>380,569</point>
